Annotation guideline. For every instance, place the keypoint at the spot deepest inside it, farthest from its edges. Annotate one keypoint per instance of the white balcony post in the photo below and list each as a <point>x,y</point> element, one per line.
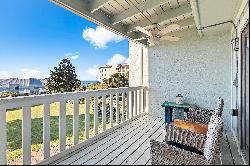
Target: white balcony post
<point>135,105</point>
<point>26,135</point>
<point>76,122</point>
<point>128,106</point>
<point>104,112</point>
<point>87,117</point>
<point>62,126</point>
<point>123,106</point>
<point>111,110</point>
<point>146,100</point>
<point>131,108</point>
<point>96,115</point>
<point>117,109</point>
<point>46,130</point>
<point>3,137</point>
<point>140,101</point>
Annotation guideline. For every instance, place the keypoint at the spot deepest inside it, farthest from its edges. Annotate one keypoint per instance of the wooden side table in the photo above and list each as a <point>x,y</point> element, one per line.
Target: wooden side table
<point>169,106</point>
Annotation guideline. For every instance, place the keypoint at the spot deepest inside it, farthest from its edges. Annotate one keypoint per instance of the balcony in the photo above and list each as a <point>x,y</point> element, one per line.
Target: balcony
<point>126,142</point>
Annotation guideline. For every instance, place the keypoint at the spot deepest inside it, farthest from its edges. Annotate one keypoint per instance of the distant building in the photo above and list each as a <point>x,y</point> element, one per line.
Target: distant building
<point>107,71</point>
<point>31,86</point>
<point>14,88</point>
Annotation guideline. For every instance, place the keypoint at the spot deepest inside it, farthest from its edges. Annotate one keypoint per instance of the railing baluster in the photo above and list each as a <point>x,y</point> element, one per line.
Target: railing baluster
<point>26,135</point>
<point>46,131</point>
<point>123,106</point>
<point>104,105</point>
<point>117,109</point>
<point>135,105</point>
<point>62,126</point>
<point>145,100</point>
<point>131,104</point>
<point>96,115</point>
<point>140,101</point>
<point>87,117</point>
<point>76,122</point>
<point>128,106</point>
<point>3,137</point>
<point>111,110</point>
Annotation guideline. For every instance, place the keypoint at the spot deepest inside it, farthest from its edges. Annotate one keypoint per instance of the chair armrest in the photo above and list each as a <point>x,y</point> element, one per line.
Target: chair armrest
<point>185,137</point>
<point>164,154</point>
<point>199,115</point>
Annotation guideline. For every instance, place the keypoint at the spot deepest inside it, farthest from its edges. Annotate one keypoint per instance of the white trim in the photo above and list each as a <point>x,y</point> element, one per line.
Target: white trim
<point>196,13</point>
<point>146,5</point>
<point>181,13</point>
<point>240,11</point>
<point>98,4</point>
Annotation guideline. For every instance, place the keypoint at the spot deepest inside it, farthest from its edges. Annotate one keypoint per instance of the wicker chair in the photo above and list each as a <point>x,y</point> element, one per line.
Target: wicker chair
<point>200,150</point>
<point>203,115</point>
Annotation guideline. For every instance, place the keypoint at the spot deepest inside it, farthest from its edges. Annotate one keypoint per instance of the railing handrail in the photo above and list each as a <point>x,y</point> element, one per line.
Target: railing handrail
<point>15,102</point>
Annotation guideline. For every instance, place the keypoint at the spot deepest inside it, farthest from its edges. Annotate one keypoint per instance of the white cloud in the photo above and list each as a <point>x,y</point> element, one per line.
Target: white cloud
<point>31,73</point>
<point>127,61</point>
<point>73,56</point>
<point>117,59</point>
<point>94,72</point>
<point>5,75</point>
<point>100,37</point>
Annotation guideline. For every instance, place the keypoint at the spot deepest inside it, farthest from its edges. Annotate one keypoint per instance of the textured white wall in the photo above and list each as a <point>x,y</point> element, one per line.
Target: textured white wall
<point>138,64</point>
<point>200,69</point>
<point>197,68</point>
<point>241,23</point>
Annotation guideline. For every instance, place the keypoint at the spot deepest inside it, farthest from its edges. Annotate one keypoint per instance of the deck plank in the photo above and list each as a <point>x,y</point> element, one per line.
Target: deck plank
<point>234,149</point>
<point>226,156</point>
<point>133,145</point>
<point>135,155</point>
<point>144,159</point>
<point>102,157</point>
<point>130,145</point>
<point>87,151</point>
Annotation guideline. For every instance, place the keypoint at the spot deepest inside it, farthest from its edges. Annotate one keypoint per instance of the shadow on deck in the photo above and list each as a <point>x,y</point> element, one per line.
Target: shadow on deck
<point>129,145</point>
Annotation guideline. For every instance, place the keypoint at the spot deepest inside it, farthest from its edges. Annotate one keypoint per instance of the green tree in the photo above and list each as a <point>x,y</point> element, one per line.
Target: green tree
<point>63,78</point>
<point>117,81</point>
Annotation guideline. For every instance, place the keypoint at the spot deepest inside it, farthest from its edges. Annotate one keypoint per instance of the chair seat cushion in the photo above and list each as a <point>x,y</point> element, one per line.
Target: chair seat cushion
<point>185,147</point>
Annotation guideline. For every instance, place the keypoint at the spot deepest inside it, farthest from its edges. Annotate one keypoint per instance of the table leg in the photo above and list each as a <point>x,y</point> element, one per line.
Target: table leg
<point>171,114</point>
<point>185,113</point>
<point>166,115</point>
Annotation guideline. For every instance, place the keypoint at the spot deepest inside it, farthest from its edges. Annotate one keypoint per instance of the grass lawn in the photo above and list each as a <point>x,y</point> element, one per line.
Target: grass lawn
<point>14,128</point>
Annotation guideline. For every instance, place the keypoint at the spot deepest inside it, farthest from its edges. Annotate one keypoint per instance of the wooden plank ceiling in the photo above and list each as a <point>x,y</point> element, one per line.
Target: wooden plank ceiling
<point>123,16</point>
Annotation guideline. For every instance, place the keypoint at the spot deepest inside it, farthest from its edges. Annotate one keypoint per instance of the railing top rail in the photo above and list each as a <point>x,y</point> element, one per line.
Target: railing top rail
<point>15,102</point>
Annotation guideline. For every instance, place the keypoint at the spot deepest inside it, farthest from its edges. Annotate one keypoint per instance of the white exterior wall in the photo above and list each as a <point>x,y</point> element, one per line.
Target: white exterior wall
<point>198,68</point>
<point>135,64</point>
<point>241,21</point>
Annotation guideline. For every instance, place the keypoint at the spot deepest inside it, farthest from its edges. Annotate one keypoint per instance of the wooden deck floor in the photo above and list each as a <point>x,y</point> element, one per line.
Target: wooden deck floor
<point>129,145</point>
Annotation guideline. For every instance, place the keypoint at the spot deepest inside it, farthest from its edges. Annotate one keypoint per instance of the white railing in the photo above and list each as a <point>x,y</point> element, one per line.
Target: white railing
<point>136,104</point>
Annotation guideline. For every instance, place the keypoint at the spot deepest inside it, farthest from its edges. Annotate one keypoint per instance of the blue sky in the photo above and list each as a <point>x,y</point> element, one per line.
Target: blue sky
<point>36,34</point>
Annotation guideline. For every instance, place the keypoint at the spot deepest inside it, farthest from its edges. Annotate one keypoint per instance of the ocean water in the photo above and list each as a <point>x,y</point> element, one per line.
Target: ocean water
<point>85,83</point>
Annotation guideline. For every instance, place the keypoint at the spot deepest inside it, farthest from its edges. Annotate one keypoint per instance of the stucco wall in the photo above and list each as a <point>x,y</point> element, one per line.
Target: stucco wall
<point>200,69</point>
<point>240,23</point>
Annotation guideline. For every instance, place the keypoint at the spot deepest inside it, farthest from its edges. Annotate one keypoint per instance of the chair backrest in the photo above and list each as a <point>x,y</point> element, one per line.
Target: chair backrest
<point>199,115</point>
<point>219,106</point>
<point>212,142</point>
